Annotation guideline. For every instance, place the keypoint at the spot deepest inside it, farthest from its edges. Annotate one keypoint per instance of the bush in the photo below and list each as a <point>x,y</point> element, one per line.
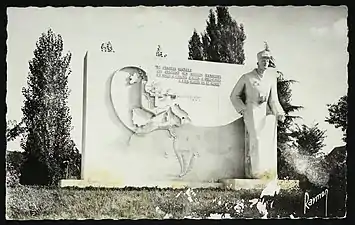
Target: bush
<point>12,177</point>
<point>34,172</point>
<point>14,160</point>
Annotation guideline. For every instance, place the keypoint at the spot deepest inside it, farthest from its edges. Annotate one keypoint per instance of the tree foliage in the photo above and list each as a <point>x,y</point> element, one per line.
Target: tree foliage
<point>309,140</point>
<point>47,142</point>
<point>14,160</point>
<point>285,98</point>
<point>222,41</point>
<point>338,115</point>
<point>195,47</point>
<point>14,130</point>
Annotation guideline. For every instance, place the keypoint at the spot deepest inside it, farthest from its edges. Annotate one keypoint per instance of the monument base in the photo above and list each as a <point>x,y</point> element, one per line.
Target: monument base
<point>112,184</point>
<point>237,184</point>
<point>232,184</point>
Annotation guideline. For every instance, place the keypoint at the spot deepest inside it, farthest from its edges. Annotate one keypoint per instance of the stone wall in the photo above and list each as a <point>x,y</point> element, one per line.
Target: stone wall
<point>141,115</point>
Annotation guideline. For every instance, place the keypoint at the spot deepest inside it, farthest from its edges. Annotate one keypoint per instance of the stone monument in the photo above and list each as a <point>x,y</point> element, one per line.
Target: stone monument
<point>152,121</point>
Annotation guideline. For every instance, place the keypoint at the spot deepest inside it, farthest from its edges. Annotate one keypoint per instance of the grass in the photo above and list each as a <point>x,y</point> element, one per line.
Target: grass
<point>37,203</point>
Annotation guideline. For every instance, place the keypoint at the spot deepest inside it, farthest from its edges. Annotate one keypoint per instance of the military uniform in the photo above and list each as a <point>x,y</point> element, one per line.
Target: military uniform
<point>260,110</point>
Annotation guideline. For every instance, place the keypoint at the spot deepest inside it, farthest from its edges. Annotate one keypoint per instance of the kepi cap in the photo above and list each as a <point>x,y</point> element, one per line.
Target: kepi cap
<point>264,54</point>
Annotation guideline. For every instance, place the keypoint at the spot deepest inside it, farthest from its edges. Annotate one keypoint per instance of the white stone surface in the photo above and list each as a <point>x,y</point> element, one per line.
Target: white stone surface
<point>264,184</point>
<point>213,137</point>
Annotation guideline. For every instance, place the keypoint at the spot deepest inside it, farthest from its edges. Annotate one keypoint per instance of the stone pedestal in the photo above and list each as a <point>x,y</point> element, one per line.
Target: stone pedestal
<point>231,184</point>
<point>160,184</point>
<point>237,184</point>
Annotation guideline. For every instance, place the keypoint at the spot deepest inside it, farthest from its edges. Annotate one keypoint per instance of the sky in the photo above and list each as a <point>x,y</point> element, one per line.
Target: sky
<point>308,43</point>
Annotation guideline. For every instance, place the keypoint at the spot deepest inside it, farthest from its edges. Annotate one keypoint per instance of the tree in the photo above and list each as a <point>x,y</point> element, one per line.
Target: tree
<point>47,142</point>
<point>231,39</point>
<point>72,163</point>
<point>14,130</point>
<point>195,47</point>
<point>338,113</point>
<point>285,98</point>
<point>210,40</point>
<point>222,41</point>
<point>107,47</point>
<point>159,52</point>
<point>336,163</point>
<point>309,140</point>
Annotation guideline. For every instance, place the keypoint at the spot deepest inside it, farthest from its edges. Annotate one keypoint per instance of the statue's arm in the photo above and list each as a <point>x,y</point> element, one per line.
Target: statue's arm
<point>274,102</point>
<point>236,95</point>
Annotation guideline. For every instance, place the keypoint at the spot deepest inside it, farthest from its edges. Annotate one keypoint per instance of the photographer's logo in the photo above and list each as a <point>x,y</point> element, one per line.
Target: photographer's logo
<point>309,202</point>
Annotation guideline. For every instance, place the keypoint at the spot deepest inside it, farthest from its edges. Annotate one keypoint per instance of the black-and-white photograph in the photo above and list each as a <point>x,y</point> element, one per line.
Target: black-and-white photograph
<point>223,112</point>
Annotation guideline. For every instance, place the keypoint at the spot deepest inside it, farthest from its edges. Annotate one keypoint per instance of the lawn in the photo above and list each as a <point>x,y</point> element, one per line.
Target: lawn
<point>33,202</point>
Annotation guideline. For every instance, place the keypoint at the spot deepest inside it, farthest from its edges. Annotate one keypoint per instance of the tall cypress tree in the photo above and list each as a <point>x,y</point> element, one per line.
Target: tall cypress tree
<point>195,47</point>
<point>232,37</point>
<point>47,142</point>
<point>211,39</point>
<point>241,37</point>
<point>222,41</point>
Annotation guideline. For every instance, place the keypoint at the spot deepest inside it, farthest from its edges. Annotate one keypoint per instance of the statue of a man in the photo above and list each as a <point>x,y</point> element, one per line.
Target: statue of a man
<point>261,110</point>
